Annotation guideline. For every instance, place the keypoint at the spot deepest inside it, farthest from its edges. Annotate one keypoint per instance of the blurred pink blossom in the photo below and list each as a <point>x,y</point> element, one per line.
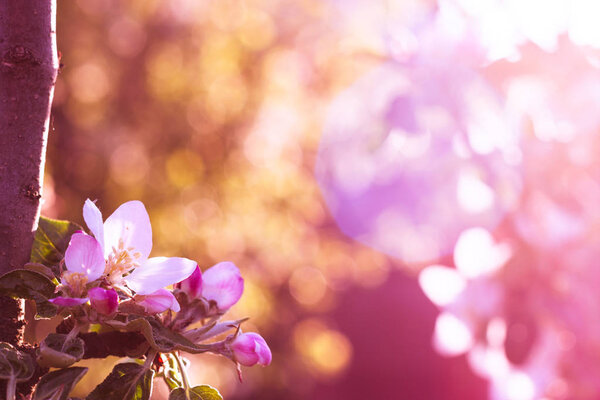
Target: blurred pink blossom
<point>478,138</point>
<point>411,155</point>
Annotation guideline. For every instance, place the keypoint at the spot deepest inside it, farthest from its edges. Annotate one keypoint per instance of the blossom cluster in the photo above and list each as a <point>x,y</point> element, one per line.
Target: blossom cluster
<point>473,153</point>
<point>109,271</point>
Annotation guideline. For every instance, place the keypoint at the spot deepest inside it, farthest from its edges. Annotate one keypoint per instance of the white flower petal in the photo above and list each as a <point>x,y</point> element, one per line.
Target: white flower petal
<point>130,223</point>
<point>157,272</point>
<point>452,336</point>
<point>442,285</point>
<point>93,219</point>
<point>477,254</point>
<point>159,301</point>
<point>84,255</point>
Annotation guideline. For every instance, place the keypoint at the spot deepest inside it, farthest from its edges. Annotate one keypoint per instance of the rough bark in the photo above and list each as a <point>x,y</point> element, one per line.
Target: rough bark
<point>28,69</point>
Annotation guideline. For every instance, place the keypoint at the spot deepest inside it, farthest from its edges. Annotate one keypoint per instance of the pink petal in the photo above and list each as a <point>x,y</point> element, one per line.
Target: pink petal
<point>93,219</point>
<point>131,224</point>
<point>159,301</point>
<point>104,301</point>
<point>250,348</point>
<point>68,301</point>
<point>84,255</point>
<point>192,286</point>
<point>158,272</point>
<point>223,283</point>
<point>263,351</point>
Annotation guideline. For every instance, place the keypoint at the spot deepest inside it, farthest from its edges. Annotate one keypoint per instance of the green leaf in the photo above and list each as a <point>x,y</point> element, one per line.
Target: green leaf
<point>45,310</point>
<point>14,363</point>
<point>128,381</point>
<point>211,330</point>
<point>162,338</point>
<point>27,284</point>
<point>202,392</point>
<point>51,240</point>
<point>170,379</point>
<point>57,385</point>
<point>57,351</point>
<point>42,269</point>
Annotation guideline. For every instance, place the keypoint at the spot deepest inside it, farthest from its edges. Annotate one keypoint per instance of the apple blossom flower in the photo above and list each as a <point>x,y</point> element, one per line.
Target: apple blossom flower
<point>126,241</point>
<point>221,283</point>
<point>159,301</point>
<point>249,349</point>
<point>104,301</point>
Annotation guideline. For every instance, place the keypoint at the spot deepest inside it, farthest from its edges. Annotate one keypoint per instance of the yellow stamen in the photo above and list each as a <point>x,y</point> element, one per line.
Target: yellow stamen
<point>76,282</point>
<point>120,262</point>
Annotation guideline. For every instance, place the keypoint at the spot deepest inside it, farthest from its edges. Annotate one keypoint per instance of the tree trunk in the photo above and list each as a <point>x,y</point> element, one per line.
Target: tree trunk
<point>28,69</point>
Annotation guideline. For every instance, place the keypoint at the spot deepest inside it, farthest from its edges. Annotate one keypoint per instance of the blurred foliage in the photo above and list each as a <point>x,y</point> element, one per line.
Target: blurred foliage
<point>210,112</point>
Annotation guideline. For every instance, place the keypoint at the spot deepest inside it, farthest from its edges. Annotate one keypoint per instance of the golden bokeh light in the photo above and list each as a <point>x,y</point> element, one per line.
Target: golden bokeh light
<point>327,351</point>
<point>210,112</point>
<point>308,285</point>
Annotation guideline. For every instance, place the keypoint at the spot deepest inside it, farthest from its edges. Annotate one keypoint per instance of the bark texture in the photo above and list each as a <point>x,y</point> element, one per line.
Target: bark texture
<point>28,69</point>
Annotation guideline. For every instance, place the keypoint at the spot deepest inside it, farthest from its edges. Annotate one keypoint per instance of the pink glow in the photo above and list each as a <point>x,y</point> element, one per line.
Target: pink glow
<point>477,148</point>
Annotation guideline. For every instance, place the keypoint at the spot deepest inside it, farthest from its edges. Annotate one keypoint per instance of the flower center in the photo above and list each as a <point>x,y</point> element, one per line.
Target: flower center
<point>76,282</point>
<point>121,262</point>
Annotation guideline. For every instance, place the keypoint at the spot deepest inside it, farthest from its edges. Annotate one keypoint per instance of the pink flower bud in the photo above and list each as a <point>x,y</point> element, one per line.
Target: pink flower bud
<point>68,301</point>
<point>250,349</point>
<point>104,301</point>
<point>223,283</point>
<point>157,302</point>
<point>192,286</point>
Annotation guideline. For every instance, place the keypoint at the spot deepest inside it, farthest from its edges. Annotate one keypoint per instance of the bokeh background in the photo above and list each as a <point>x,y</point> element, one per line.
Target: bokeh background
<point>410,187</point>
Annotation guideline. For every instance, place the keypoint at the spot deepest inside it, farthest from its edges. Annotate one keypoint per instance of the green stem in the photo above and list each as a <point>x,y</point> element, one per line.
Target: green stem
<point>186,382</point>
<point>150,358</point>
